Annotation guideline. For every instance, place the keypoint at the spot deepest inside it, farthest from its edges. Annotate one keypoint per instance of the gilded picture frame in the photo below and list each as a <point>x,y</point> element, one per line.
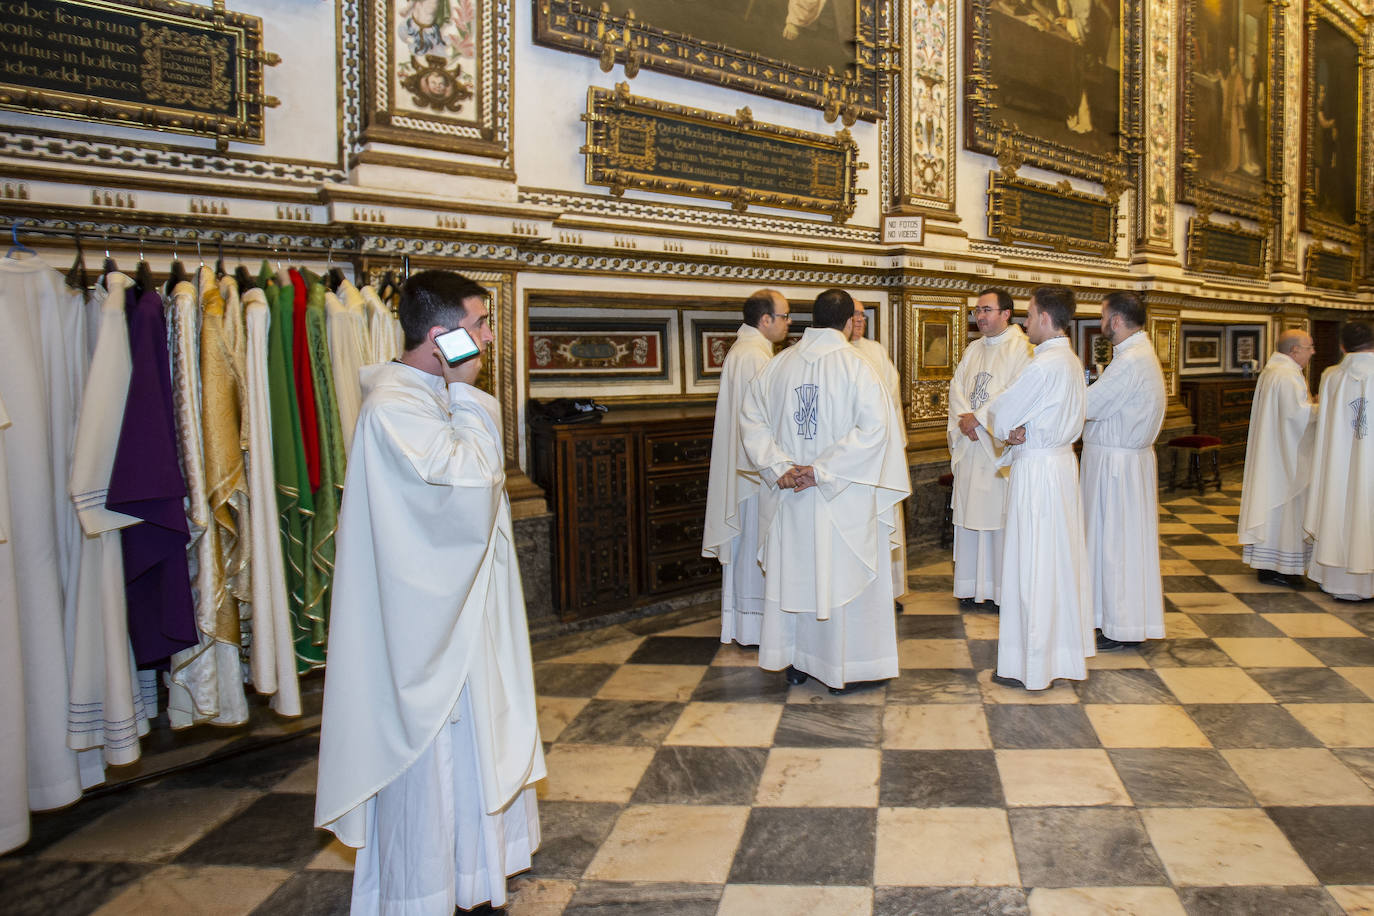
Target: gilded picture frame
<point>1164,337</point>
<point>1336,123</point>
<point>1200,350</point>
<point>1245,347</point>
<point>928,323</point>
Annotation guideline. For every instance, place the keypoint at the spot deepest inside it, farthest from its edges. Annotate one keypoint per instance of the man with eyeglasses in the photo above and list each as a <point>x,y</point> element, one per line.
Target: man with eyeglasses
<point>1278,460</point>
<point>979,495</point>
<point>732,509</point>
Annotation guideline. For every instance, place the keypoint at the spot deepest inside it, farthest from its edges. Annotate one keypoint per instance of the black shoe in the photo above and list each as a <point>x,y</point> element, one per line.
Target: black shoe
<point>968,604</point>
<point>1006,681</point>
<point>1271,577</point>
<point>1268,577</point>
<point>795,677</point>
<point>991,607</point>
<point>1106,644</point>
<point>856,687</point>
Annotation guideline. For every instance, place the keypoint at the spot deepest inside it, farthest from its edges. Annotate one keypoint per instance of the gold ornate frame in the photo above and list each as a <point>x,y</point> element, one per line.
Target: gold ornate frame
<point>1007,197</point>
<point>924,138</point>
<point>1168,361</point>
<point>1314,276</point>
<point>929,388</point>
<point>1311,221</point>
<point>1200,259</point>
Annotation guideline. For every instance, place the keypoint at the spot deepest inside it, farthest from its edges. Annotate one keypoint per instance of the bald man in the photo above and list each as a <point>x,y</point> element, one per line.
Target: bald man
<point>1278,459</point>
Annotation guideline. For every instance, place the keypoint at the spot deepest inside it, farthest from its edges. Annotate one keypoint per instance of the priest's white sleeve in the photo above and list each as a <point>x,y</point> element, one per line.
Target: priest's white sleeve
<point>756,433</point>
<point>1014,406</point>
<point>465,452</point>
<point>834,467</point>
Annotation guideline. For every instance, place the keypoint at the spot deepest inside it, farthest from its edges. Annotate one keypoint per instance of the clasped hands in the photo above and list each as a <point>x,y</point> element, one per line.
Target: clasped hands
<point>798,478</point>
<point>968,425</point>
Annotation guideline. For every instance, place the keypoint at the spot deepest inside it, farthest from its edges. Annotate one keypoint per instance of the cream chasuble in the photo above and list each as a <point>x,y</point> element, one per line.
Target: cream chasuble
<point>1278,461</point>
<point>382,338</point>
<point>731,533</point>
<point>14,790</point>
<point>1340,508</point>
<point>1045,630</point>
<point>1120,485</point>
<point>979,495</point>
<point>876,356</point>
<point>828,602</point>
<point>346,323</point>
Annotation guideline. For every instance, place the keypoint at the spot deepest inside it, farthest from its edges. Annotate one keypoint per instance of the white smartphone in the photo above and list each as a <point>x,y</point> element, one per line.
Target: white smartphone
<point>457,346</point>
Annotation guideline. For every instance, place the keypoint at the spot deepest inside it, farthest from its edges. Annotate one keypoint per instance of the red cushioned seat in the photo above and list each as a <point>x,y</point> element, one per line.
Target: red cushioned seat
<point>946,480</point>
<point>1194,442</point>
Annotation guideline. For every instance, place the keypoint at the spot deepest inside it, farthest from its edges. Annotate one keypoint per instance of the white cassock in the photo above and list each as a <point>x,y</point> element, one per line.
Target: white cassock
<point>1278,462</point>
<point>14,790</point>
<point>346,322</point>
<point>1120,484</point>
<point>1340,507</point>
<point>874,354</point>
<point>979,496</point>
<point>828,602</point>
<point>731,533</point>
<point>1045,630</point>
<point>429,747</point>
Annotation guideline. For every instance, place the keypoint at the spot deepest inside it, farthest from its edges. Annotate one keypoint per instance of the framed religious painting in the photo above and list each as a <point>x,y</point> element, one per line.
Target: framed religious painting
<point>1336,121</point>
<point>933,336</point>
<point>1094,347</point>
<point>1049,81</point>
<point>1164,336</point>
<point>1226,120</point>
<point>1200,351</point>
<point>1244,348</point>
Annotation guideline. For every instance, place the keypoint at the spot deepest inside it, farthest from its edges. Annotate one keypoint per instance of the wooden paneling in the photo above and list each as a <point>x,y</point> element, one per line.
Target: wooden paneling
<point>1220,406</point>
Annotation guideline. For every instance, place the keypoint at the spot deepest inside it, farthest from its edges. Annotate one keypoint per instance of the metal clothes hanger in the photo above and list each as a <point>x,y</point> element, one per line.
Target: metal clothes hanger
<point>78,278</point>
<point>109,266</point>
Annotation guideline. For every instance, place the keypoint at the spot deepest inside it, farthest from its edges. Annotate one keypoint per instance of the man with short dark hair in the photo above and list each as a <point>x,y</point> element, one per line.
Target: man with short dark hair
<point>1120,483</point>
<point>818,425</point>
<point>1340,510</point>
<point>731,534</point>
<point>429,748</point>
<point>1045,629</point>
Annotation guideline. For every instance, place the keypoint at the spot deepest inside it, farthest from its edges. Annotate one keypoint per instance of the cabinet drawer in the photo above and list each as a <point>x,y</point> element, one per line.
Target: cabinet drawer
<point>668,534</point>
<point>682,572</point>
<point>682,450</point>
<point>665,494</point>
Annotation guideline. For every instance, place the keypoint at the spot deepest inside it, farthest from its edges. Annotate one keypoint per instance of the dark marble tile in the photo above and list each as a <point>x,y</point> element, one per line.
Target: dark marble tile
<point>780,846</point>
<point>1281,603</point>
<point>1360,620</point>
<point>276,831</point>
<point>675,650</point>
<point>1307,685</point>
<point>930,626</point>
<point>258,769</point>
<point>929,583</point>
<point>643,723</point>
<point>1190,584</point>
<point>555,680</point>
<point>1236,625</point>
<point>1355,652</point>
<point>571,833</point>
<point>1184,653</point>
<point>1125,685</point>
<point>644,898</point>
<point>702,776</point>
<point>940,779</point>
<point>1168,553</point>
<point>1336,842</point>
<point>728,684</point>
<point>1359,759</point>
<point>1187,540</point>
<point>1235,567</point>
<point>47,827</point>
<point>829,725</point>
<point>1180,778</point>
<point>935,685</point>
<point>950,901</point>
<point>1250,725</point>
<point>983,653</point>
<point>672,613</point>
<point>1015,725</point>
<point>33,887</point>
<point>310,893</point>
<point>1230,901</point>
<point>1215,528</point>
<point>1084,847</point>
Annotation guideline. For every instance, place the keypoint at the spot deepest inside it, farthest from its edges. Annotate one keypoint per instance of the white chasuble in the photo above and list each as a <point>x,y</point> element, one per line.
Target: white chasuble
<point>876,356</point>
<point>382,339</point>
<point>1120,484</point>
<point>828,601</point>
<point>1340,508</point>
<point>14,790</point>
<point>427,607</point>
<point>1045,630</point>
<point>731,533</point>
<point>1278,460</point>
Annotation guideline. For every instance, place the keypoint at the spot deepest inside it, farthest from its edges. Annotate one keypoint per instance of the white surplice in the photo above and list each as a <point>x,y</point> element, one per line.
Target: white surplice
<point>346,322</point>
<point>1340,508</point>
<point>427,607</point>
<point>105,709</point>
<point>731,532</point>
<point>1045,630</point>
<point>979,496</point>
<point>383,334</point>
<point>1278,461</point>
<point>1120,485</point>
<point>272,660</point>
<point>14,789</point>
<point>828,601</point>
<point>876,356</point>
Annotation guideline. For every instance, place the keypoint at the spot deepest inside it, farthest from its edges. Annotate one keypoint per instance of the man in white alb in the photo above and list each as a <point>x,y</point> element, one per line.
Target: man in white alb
<point>1046,626</point>
<point>731,534</point>
<point>429,748</point>
<point>1120,482</point>
<point>818,425</point>
<point>1340,508</point>
<point>980,485</point>
<point>1278,462</point>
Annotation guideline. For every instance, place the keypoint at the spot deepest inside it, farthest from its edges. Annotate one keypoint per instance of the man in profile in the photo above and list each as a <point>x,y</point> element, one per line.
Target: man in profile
<point>1045,629</point>
<point>429,747</point>
<point>818,425</point>
<point>1340,508</point>
<point>979,494</point>
<point>1278,463</point>
<point>732,509</point>
<point>1125,409</point>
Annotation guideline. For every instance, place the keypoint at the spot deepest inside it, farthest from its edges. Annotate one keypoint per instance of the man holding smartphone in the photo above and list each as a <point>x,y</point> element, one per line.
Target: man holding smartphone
<point>429,747</point>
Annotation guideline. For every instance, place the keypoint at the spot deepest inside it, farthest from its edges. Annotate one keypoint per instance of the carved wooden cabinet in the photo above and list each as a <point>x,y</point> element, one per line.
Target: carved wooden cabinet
<point>1220,405</point>
<point>629,501</point>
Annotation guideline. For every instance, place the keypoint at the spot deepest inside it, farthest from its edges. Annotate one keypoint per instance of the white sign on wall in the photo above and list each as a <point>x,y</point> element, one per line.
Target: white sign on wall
<point>904,230</point>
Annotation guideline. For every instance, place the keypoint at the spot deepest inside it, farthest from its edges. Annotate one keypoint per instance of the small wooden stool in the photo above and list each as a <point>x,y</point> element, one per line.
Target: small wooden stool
<point>947,523</point>
<point>1194,447</point>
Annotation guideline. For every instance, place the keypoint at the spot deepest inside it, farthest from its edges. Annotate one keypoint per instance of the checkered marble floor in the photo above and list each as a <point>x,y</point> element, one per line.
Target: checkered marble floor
<point>1226,769</point>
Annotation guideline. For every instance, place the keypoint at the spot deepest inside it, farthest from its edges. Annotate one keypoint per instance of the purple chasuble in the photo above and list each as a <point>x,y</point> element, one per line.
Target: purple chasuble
<point>146,483</point>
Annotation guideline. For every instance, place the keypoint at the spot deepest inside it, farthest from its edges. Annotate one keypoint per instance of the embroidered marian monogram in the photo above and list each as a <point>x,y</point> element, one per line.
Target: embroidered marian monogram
<point>806,410</point>
<point>1360,421</point>
<point>979,395</point>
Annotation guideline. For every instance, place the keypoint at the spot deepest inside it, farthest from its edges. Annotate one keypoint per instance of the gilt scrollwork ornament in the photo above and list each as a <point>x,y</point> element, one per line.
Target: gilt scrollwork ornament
<point>433,84</point>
